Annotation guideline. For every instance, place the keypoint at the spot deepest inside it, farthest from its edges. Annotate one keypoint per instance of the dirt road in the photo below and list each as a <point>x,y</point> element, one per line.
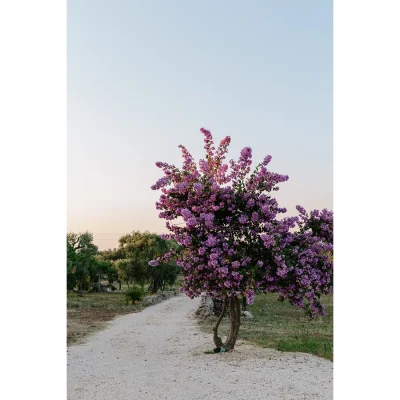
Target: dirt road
<point>159,354</point>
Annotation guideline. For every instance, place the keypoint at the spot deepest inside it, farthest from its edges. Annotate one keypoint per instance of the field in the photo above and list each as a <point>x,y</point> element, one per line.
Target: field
<point>91,312</point>
<point>283,327</point>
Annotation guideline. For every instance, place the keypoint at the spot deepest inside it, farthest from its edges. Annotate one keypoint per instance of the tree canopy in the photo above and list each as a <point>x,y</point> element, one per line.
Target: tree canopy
<point>234,241</point>
<point>80,258</point>
<point>140,248</point>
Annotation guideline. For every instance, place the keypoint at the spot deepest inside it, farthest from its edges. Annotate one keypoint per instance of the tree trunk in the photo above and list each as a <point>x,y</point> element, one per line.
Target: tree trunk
<point>217,339</point>
<point>234,325</point>
<point>234,317</point>
<point>244,303</point>
<point>218,304</point>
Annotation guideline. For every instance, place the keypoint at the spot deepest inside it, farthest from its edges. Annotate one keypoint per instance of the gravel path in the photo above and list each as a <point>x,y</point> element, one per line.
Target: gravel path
<point>159,354</point>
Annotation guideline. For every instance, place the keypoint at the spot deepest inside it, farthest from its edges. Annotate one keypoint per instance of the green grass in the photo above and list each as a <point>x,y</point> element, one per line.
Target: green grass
<point>108,301</point>
<point>284,327</point>
<point>90,312</point>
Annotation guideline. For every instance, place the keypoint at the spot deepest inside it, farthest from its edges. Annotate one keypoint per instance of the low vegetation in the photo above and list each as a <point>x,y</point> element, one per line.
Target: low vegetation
<point>134,294</point>
<point>90,313</point>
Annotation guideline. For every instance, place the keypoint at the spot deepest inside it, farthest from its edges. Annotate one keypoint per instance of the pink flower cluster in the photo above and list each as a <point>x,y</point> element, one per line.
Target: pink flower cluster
<point>233,242</point>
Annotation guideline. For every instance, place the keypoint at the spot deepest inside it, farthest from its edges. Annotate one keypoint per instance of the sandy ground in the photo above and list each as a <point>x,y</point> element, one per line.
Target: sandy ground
<point>159,354</point>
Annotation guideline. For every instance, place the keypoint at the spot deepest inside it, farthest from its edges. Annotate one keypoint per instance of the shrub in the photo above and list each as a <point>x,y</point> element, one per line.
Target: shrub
<point>135,293</point>
<point>85,284</point>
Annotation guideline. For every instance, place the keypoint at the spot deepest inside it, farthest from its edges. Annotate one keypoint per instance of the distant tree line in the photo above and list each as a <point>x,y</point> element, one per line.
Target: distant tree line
<point>129,263</point>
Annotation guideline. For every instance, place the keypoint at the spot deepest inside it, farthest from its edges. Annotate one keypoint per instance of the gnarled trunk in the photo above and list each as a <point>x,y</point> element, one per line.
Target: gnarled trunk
<point>244,303</point>
<point>217,340</point>
<point>234,324</point>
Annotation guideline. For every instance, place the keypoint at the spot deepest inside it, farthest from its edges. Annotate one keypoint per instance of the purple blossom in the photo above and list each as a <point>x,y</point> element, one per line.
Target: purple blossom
<point>250,297</point>
<point>181,187</point>
<point>267,160</point>
<point>231,219</point>
<point>211,241</point>
<point>250,203</point>
<point>186,213</point>
<point>255,217</point>
<point>243,219</point>
<point>198,186</point>
<point>301,210</point>
<point>236,264</point>
<point>268,240</point>
<point>246,152</point>
<point>192,222</point>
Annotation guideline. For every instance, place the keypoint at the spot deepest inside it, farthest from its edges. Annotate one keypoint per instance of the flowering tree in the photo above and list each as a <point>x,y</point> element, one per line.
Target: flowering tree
<point>233,241</point>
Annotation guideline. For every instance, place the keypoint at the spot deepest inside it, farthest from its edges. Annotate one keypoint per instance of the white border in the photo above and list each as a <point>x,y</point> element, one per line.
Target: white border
<point>366,123</point>
<point>33,200</point>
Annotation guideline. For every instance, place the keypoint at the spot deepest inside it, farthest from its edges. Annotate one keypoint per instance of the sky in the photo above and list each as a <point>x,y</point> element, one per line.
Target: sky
<point>145,76</point>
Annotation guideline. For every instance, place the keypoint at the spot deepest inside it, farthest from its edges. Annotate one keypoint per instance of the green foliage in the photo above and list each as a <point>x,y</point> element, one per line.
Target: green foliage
<point>163,275</point>
<point>71,281</point>
<point>81,261</point>
<point>81,243</point>
<point>138,248</point>
<point>84,284</point>
<point>129,263</point>
<point>112,274</point>
<point>134,293</point>
<point>112,254</point>
<point>103,269</point>
<point>125,270</point>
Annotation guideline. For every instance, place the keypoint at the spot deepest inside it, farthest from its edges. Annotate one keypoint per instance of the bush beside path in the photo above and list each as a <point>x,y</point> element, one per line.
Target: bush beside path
<point>159,354</point>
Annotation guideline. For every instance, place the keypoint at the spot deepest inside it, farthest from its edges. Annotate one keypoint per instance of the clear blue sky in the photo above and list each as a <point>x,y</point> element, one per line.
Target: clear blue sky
<point>144,76</point>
